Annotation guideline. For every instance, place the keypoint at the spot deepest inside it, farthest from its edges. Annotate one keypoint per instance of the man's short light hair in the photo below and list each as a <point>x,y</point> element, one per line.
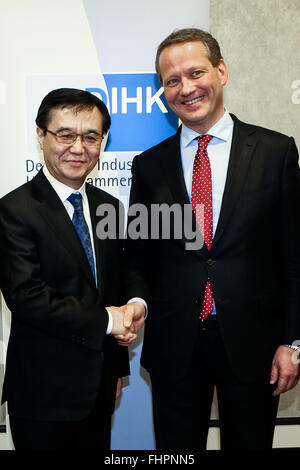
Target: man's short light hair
<point>191,35</point>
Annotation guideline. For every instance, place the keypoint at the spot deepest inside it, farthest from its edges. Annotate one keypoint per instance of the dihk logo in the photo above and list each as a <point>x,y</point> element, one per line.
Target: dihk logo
<point>140,115</point>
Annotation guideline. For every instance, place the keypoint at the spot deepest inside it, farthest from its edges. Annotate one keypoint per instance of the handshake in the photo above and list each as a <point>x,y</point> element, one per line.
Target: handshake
<point>127,320</point>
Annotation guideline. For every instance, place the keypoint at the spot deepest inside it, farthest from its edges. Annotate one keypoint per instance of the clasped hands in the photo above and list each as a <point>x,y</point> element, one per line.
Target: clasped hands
<point>127,321</point>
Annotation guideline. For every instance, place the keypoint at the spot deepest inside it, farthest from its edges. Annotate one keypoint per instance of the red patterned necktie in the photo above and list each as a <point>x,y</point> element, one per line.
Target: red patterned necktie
<point>202,207</point>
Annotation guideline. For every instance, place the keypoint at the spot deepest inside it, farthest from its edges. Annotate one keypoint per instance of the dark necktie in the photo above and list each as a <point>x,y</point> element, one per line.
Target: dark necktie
<point>202,207</point>
<point>81,227</point>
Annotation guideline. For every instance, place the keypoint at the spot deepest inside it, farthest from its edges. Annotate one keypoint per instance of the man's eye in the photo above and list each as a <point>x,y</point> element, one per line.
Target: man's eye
<point>65,135</point>
<point>198,73</point>
<point>172,82</point>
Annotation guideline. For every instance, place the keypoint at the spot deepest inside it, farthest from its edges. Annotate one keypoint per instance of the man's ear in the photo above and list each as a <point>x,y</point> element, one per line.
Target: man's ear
<point>223,72</point>
<point>41,136</point>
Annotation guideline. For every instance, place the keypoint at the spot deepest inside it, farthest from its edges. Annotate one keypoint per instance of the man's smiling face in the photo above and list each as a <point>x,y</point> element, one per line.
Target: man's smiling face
<point>193,87</point>
<point>71,163</point>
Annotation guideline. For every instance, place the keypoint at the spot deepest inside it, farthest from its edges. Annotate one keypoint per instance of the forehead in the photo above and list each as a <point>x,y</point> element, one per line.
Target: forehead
<point>179,53</point>
<point>72,117</point>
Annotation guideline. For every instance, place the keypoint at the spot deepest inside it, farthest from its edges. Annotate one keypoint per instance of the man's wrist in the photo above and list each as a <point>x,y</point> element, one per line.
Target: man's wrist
<point>138,299</point>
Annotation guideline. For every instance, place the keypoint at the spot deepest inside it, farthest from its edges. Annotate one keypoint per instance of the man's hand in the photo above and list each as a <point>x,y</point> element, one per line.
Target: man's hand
<point>134,318</point>
<point>119,330</point>
<point>284,370</point>
<point>134,313</point>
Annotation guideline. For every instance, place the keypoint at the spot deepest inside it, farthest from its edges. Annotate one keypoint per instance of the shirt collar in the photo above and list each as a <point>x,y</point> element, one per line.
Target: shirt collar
<point>63,191</point>
<point>222,130</point>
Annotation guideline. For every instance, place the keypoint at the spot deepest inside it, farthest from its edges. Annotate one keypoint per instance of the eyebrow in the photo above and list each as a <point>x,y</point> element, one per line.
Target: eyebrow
<point>89,131</point>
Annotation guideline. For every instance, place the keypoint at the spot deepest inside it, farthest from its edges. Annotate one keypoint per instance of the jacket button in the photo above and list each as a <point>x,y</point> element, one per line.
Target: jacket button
<point>210,262</point>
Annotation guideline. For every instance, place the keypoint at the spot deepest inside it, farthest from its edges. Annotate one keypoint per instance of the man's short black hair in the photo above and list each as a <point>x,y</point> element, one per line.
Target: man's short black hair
<point>73,98</point>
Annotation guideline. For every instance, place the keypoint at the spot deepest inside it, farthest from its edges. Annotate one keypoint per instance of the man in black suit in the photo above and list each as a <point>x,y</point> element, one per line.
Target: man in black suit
<point>227,313</point>
<point>61,282</point>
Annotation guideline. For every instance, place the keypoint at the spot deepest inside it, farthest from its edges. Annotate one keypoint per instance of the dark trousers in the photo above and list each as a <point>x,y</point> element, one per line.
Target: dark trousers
<point>181,410</point>
<point>91,433</point>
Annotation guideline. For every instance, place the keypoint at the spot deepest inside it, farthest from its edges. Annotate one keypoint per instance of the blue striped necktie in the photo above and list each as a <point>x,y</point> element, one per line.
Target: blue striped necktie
<point>81,227</point>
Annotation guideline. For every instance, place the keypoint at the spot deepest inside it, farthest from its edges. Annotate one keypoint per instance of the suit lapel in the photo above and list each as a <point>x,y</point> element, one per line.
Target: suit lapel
<point>173,172</point>
<point>172,167</point>
<point>242,149</point>
<point>55,215</point>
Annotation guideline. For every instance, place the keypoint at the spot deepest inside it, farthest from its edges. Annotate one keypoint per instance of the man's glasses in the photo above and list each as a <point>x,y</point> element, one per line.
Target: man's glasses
<point>66,137</point>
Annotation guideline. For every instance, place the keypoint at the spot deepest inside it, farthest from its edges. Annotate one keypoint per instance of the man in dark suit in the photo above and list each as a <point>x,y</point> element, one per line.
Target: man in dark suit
<point>227,313</point>
<point>60,281</point>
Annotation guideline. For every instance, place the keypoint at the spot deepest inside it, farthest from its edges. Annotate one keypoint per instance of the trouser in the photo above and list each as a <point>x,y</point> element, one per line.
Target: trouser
<point>182,409</point>
<point>90,433</point>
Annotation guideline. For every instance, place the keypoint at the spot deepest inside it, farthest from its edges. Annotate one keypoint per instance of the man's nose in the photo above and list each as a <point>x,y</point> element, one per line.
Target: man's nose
<point>78,144</point>
<point>187,86</point>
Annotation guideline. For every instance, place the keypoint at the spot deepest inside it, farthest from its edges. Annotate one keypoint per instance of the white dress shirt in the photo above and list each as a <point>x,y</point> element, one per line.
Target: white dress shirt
<point>218,151</point>
<point>63,191</point>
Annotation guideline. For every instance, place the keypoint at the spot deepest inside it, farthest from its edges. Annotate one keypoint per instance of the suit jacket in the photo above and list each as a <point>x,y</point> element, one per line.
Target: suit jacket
<point>253,264</point>
<point>58,348</point>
